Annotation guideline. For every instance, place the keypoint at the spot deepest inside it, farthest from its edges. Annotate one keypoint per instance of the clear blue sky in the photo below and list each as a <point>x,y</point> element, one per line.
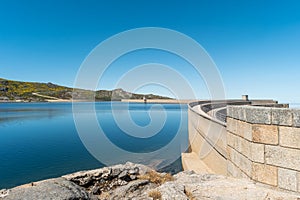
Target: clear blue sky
<point>255,44</point>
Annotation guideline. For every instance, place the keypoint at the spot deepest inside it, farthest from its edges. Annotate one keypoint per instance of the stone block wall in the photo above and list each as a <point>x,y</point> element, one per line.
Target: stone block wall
<point>263,144</point>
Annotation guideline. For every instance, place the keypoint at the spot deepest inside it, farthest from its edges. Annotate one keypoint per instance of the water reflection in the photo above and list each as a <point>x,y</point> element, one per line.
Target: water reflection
<point>16,113</point>
<point>39,140</point>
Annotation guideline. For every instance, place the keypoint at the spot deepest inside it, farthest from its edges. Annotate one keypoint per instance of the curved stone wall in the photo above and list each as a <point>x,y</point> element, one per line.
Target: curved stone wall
<point>263,145</point>
<point>207,136</point>
<point>235,138</point>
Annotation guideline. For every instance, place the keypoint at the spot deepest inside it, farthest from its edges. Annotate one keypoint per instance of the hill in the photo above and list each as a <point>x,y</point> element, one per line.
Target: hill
<point>39,92</point>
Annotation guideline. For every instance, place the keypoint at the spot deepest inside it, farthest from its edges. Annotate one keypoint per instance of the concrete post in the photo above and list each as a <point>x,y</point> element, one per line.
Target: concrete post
<point>245,97</point>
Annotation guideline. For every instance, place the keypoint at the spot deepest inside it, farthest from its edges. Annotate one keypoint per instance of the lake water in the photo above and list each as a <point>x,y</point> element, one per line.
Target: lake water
<point>40,140</point>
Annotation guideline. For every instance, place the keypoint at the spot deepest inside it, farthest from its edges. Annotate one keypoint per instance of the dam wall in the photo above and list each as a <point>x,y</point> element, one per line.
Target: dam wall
<point>205,147</point>
<point>258,140</point>
<point>207,136</point>
<point>263,144</point>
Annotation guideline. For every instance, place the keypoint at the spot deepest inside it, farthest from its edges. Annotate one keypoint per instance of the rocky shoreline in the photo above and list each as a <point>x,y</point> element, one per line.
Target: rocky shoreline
<point>135,181</point>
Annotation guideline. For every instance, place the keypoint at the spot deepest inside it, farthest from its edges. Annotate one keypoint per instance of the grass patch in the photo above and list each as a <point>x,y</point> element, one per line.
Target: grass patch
<point>157,178</point>
<point>155,194</point>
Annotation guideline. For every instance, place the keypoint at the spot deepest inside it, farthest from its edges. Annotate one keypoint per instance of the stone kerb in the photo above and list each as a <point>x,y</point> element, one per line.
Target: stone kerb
<point>263,144</point>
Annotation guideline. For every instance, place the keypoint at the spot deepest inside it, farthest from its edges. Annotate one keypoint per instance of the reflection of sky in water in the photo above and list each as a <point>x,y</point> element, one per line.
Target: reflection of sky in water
<point>137,144</point>
<point>39,140</point>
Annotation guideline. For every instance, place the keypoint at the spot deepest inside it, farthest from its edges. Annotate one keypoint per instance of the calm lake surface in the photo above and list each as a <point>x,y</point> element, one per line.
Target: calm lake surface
<point>40,140</point>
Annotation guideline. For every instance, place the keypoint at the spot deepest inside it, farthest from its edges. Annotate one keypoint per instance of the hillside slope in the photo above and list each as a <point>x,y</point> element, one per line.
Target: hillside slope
<point>37,92</point>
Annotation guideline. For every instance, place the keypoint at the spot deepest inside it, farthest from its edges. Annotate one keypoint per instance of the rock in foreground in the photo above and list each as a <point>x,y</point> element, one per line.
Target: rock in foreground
<point>135,181</point>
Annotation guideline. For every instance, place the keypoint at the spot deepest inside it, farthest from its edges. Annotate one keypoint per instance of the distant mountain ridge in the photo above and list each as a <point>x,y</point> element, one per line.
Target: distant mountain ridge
<point>40,92</point>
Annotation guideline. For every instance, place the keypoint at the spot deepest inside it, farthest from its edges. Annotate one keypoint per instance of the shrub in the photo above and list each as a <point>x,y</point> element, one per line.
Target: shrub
<point>155,194</point>
<point>157,178</point>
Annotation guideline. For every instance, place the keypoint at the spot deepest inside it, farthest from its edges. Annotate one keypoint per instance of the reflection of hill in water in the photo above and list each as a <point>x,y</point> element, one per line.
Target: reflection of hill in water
<point>24,114</point>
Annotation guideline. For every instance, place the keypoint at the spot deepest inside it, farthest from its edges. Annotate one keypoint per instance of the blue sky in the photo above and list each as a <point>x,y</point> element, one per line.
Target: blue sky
<point>255,44</point>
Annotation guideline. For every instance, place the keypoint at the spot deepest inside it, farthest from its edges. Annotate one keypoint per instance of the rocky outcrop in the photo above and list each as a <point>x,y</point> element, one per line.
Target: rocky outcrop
<point>58,188</point>
<point>135,181</point>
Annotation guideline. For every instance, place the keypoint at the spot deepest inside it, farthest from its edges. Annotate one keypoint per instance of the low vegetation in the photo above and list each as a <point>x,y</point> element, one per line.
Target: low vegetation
<point>157,178</point>
<point>26,91</point>
<point>155,195</point>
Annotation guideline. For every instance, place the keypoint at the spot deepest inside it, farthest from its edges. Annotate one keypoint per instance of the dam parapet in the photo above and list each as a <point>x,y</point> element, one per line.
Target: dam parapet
<point>253,139</point>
